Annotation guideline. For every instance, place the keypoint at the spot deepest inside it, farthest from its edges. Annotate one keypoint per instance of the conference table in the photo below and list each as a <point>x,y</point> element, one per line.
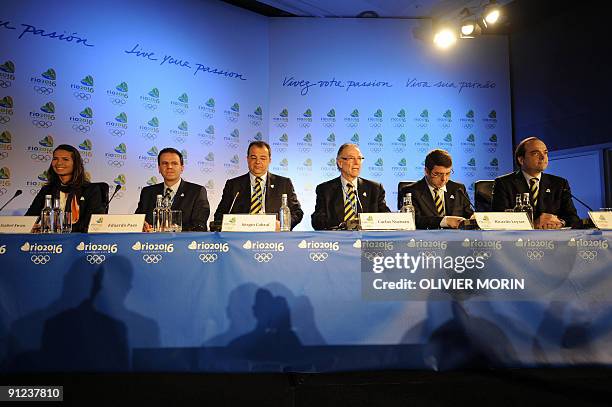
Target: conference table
<point>305,301</point>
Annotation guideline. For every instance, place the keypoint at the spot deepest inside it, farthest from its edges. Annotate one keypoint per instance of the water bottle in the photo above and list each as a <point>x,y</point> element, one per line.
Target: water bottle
<point>527,207</point>
<point>56,216</point>
<point>45,216</point>
<point>158,214</point>
<point>284,215</point>
<point>518,207</point>
<point>407,206</point>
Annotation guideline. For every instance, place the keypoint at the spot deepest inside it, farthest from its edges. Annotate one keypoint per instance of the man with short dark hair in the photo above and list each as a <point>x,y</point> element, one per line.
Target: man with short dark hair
<point>258,191</point>
<point>438,202</point>
<point>550,195</point>
<point>341,199</point>
<point>191,199</point>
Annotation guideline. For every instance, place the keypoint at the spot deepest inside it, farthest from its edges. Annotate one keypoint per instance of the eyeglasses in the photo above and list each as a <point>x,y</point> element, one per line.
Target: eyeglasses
<point>441,174</point>
<point>352,158</point>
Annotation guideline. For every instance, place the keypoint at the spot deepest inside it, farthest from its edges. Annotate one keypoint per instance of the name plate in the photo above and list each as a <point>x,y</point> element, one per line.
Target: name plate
<point>248,223</point>
<point>116,223</point>
<point>387,221</point>
<point>601,219</point>
<point>503,221</point>
<point>17,224</point>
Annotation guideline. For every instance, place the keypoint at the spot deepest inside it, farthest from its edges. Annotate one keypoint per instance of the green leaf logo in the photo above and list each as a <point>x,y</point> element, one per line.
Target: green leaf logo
<point>379,162</point>
<point>448,138</point>
<point>183,98</point>
<point>235,159</point>
<point>331,162</point>
<point>470,114</point>
<point>47,141</point>
<point>378,113</point>
<point>235,133</point>
<point>283,138</point>
<point>86,145</point>
<point>492,114</point>
<point>425,114</point>
<point>331,113</point>
<point>378,138</point>
<point>331,138</point>
<point>87,113</point>
<point>355,113</point>
<point>8,67</point>
<point>87,81</point>
<point>472,162</point>
<point>308,113</point>
<point>6,102</point>
<point>152,180</point>
<point>154,93</point>
<point>210,103</point>
<point>308,163</point>
<point>258,111</point>
<point>308,138</point>
<point>425,138</point>
<point>154,122</point>
<point>402,162</point>
<point>258,136</point>
<point>402,138</point>
<point>44,176</point>
<point>120,180</point>
<point>210,129</point>
<point>153,151</point>
<point>471,138</point>
<point>284,163</point>
<point>235,108</point>
<point>122,87</point>
<point>210,184</point>
<point>493,138</point>
<point>183,126</point>
<point>284,113</point>
<point>121,148</point>
<point>447,114</point>
<point>184,153</point>
<point>401,113</point>
<point>494,162</point>
<point>5,173</point>
<point>5,137</point>
<point>210,157</point>
<point>49,74</point>
<point>355,138</point>
<point>48,107</point>
<point>121,118</point>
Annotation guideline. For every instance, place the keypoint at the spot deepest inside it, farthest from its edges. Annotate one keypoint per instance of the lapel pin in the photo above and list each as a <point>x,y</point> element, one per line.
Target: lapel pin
<point>548,190</point>
<point>182,194</point>
<point>82,198</point>
<point>364,194</point>
<point>271,186</point>
<point>452,197</point>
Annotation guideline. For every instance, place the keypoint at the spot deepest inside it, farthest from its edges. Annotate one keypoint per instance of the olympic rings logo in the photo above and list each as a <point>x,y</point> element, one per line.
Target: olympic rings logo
<point>588,255</point>
<point>255,122</point>
<point>119,195</point>
<point>149,136</point>
<point>231,119</point>
<point>492,149</point>
<point>3,154</point>
<point>491,126</point>
<point>208,257</point>
<point>207,142</point>
<point>179,139</point>
<point>429,253</point>
<point>149,106</point>
<point>535,254</point>
<point>40,157</point>
<point>180,110</point>
<point>148,165</point>
<point>318,256</point>
<point>81,128</point>
<point>40,258</point>
<point>4,191</point>
<point>115,163</point>
<point>43,90</point>
<point>116,132</point>
<point>82,95</point>
<point>152,258</point>
<point>206,170</point>
<point>371,255</point>
<point>375,125</point>
<point>96,258</point>
<point>117,101</point>
<point>34,191</point>
<point>281,125</point>
<point>42,124</point>
<point>5,119</point>
<point>263,257</point>
<point>4,84</point>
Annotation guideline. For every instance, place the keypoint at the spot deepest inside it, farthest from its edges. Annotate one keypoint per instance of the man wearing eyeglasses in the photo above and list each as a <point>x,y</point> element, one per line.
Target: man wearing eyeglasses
<point>341,199</point>
<point>438,201</point>
<point>550,195</point>
<point>258,191</point>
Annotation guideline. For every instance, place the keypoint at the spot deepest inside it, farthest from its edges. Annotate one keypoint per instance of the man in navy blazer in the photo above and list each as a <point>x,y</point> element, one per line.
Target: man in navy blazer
<point>238,192</point>
<point>188,197</point>
<point>330,209</point>
<point>553,207</point>
<point>453,205</point>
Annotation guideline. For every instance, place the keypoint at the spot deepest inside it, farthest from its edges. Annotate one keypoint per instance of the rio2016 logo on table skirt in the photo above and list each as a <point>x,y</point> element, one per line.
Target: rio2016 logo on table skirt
<point>588,248</point>
<point>319,251</point>
<point>208,252</point>
<point>153,252</point>
<point>41,253</point>
<point>96,253</point>
<point>264,251</point>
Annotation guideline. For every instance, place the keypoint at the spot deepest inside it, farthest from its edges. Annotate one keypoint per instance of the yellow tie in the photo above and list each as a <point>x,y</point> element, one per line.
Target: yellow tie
<point>534,190</point>
<point>349,204</point>
<point>439,202</point>
<point>256,197</point>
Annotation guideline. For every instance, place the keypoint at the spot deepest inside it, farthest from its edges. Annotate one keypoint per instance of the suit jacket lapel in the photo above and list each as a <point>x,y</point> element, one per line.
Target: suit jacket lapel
<point>178,197</point>
<point>426,197</point>
<point>272,198</point>
<point>243,203</point>
<point>337,194</point>
<point>520,183</point>
<point>542,194</point>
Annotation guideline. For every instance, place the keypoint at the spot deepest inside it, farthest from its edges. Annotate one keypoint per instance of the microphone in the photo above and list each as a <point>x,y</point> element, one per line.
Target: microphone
<point>17,193</point>
<point>468,223</point>
<point>233,202</point>
<point>117,188</point>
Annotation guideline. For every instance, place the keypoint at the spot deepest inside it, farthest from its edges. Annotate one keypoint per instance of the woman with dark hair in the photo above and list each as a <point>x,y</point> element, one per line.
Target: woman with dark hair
<point>68,182</point>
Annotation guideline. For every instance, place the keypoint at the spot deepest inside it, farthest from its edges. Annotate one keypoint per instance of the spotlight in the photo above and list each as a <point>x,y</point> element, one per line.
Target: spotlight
<point>469,26</point>
<point>491,13</point>
<point>444,38</point>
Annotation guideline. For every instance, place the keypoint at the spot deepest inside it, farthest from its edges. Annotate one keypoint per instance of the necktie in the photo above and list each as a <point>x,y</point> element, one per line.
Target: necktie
<point>439,202</point>
<point>349,204</point>
<point>533,191</point>
<point>256,197</point>
<point>167,197</point>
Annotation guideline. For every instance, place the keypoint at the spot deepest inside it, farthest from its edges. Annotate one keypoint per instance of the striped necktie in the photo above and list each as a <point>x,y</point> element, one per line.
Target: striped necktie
<point>534,191</point>
<point>167,202</point>
<point>256,197</point>
<point>349,203</point>
<point>439,201</point>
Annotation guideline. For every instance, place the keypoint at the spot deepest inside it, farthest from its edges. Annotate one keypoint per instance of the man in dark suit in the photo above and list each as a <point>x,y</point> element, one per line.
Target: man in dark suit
<point>438,202</point>
<point>188,197</point>
<point>258,191</point>
<point>341,199</point>
<point>550,195</point>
